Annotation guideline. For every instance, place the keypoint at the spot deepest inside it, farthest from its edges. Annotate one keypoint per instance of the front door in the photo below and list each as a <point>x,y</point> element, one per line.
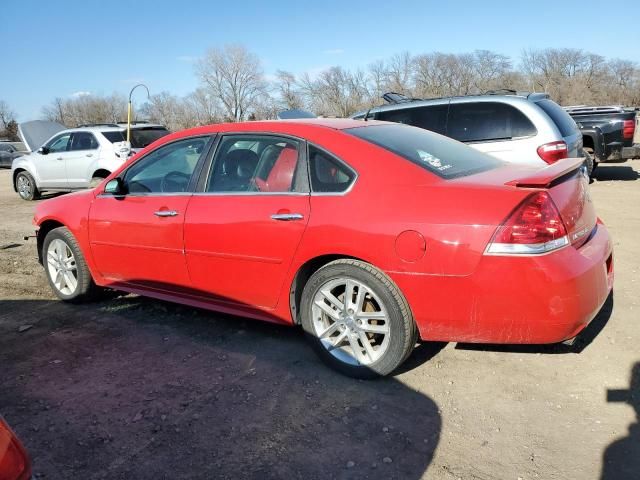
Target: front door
<point>137,238</point>
<point>51,167</point>
<point>242,232</point>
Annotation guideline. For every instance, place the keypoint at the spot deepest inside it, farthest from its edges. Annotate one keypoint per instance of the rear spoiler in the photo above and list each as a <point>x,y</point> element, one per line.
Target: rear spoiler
<point>544,177</point>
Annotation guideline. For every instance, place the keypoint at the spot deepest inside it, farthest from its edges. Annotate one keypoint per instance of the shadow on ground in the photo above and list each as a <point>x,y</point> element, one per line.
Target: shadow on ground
<point>606,172</point>
<point>621,459</point>
<point>582,341</point>
<point>137,388</point>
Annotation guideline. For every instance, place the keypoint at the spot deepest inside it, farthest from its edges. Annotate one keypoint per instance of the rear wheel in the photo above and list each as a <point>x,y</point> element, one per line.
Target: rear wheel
<point>357,320</point>
<point>26,186</point>
<point>66,268</point>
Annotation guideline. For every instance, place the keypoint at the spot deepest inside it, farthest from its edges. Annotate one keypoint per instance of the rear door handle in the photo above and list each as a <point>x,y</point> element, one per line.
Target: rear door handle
<point>287,217</point>
<point>89,154</point>
<point>60,158</point>
<point>165,213</point>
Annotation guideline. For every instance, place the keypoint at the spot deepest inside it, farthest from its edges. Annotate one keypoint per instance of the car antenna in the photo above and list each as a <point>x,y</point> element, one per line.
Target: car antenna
<point>366,115</point>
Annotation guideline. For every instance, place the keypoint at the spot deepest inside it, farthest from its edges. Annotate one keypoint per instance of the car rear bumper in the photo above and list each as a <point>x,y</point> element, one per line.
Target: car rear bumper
<point>535,299</point>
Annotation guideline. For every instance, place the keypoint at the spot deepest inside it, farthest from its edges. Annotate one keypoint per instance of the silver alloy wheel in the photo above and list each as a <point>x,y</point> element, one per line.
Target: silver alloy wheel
<point>61,265</point>
<point>350,321</point>
<point>24,186</point>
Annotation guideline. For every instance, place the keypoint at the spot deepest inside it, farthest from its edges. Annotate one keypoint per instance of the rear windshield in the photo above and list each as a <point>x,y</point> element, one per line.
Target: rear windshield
<point>140,137</point>
<point>437,154</point>
<point>562,119</point>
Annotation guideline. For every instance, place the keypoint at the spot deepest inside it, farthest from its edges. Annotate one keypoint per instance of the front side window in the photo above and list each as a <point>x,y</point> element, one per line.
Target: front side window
<point>437,154</point>
<point>167,169</point>
<point>6,148</point>
<point>487,122</point>
<point>257,163</point>
<point>83,141</point>
<point>59,144</point>
<point>328,174</point>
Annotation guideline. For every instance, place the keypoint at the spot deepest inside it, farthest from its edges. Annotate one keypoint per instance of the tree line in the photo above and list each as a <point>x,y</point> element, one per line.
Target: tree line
<point>233,86</point>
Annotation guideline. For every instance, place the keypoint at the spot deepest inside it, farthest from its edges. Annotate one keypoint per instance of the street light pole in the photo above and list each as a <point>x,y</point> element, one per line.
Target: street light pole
<point>129,108</point>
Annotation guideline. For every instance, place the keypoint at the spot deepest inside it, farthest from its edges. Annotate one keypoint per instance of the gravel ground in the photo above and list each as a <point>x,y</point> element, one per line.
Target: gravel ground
<point>138,388</point>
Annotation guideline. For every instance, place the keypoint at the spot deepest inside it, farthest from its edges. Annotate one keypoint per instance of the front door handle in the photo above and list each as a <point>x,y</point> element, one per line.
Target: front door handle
<point>60,158</point>
<point>165,213</point>
<point>89,154</point>
<point>287,217</point>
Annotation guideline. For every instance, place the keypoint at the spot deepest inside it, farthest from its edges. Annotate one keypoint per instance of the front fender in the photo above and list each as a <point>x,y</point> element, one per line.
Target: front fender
<point>23,163</point>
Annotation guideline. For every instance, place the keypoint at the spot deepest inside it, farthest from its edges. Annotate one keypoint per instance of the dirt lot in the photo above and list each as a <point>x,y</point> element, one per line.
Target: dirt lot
<point>137,388</point>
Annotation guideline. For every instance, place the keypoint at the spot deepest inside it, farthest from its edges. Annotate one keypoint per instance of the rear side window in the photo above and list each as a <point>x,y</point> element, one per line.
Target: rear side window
<point>486,122</point>
<point>432,118</point>
<point>328,174</point>
<point>562,119</point>
<point>117,136</point>
<point>142,137</point>
<point>83,141</point>
<point>439,155</point>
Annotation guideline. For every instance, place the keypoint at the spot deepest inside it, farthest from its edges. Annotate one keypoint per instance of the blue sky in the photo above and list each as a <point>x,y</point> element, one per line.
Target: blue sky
<point>58,48</point>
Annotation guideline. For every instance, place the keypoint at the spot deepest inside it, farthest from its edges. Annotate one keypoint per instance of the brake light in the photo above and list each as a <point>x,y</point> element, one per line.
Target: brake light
<point>14,462</point>
<point>534,227</point>
<point>628,129</point>
<point>554,151</point>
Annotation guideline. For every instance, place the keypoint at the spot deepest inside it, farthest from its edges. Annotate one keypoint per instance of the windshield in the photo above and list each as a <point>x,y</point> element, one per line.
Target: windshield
<point>562,119</point>
<point>443,156</point>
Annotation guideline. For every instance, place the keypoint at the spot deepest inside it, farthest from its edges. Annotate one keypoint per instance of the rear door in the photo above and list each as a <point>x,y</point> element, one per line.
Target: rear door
<point>137,238</point>
<point>242,231</point>
<point>51,168</point>
<point>83,152</point>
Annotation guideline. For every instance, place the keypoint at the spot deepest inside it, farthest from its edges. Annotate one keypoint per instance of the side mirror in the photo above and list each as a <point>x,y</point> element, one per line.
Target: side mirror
<point>43,150</point>
<point>115,187</point>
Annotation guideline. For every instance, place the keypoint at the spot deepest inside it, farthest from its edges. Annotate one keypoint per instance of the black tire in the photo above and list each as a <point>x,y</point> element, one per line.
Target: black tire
<point>26,186</point>
<point>85,289</point>
<point>402,329</point>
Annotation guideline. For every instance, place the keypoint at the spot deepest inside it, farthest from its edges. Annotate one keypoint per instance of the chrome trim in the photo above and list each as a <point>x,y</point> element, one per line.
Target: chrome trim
<point>140,194</point>
<point>527,249</point>
<point>287,217</point>
<point>246,194</point>
<point>166,213</point>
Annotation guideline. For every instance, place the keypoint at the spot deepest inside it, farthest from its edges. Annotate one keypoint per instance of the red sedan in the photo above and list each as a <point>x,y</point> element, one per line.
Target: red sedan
<point>367,234</point>
<point>14,460</point>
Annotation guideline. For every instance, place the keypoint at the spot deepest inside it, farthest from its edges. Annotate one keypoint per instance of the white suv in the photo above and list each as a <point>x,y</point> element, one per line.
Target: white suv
<point>72,159</point>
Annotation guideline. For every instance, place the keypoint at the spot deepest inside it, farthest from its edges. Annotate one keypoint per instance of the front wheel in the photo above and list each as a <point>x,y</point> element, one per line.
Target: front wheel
<point>66,268</point>
<point>26,186</point>
<point>357,320</point>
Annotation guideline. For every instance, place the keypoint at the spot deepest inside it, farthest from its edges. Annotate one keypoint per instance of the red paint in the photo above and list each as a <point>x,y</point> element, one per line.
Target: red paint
<point>14,461</point>
<point>224,252</point>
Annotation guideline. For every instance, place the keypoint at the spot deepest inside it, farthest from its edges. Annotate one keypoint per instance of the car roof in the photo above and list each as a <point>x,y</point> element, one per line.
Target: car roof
<point>141,125</point>
<point>486,97</point>
<point>94,128</point>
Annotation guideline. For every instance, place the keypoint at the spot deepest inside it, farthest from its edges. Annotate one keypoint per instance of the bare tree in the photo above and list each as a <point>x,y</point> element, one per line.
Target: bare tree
<point>233,75</point>
<point>8,124</point>
<point>287,87</point>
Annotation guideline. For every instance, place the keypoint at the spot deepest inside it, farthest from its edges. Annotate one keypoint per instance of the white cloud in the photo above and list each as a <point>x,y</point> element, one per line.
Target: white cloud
<point>80,94</point>
<point>333,51</point>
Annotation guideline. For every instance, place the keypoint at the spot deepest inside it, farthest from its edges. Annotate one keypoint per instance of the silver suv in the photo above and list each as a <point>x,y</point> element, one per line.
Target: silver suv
<point>517,127</point>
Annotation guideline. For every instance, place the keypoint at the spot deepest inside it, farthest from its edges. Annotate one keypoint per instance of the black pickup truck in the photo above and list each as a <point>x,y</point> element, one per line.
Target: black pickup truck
<point>607,132</point>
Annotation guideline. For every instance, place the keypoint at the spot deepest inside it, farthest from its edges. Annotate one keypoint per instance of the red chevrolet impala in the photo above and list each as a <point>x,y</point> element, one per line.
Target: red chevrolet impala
<point>367,234</point>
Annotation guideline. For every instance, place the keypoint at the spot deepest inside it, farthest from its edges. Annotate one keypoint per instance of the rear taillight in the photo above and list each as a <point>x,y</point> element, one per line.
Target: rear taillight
<point>554,151</point>
<point>14,462</point>
<point>534,227</point>
<point>628,129</point>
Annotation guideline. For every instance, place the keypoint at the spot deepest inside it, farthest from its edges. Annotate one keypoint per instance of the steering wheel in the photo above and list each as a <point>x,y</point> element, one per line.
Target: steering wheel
<point>175,182</point>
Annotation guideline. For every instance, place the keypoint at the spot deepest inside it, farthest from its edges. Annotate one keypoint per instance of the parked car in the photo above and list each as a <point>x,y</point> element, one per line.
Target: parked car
<point>369,235</point>
<point>7,154</point>
<point>71,159</point>
<point>517,127</point>
<point>607,131</point>
<point>14,460</point>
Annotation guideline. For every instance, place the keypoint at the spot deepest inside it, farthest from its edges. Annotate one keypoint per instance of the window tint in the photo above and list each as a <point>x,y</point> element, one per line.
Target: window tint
<point>117,136</point>
<point>83,141</point>
<point>143,137</point>
<point>432,118</point>
<point>167,169</point>
<point>562,119</point>
<point>328,174</point>
<point>487,121</point>
<point>248,163</point>
<point>59,143</point>
<point>6,148</point>
<point>440,155</point>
